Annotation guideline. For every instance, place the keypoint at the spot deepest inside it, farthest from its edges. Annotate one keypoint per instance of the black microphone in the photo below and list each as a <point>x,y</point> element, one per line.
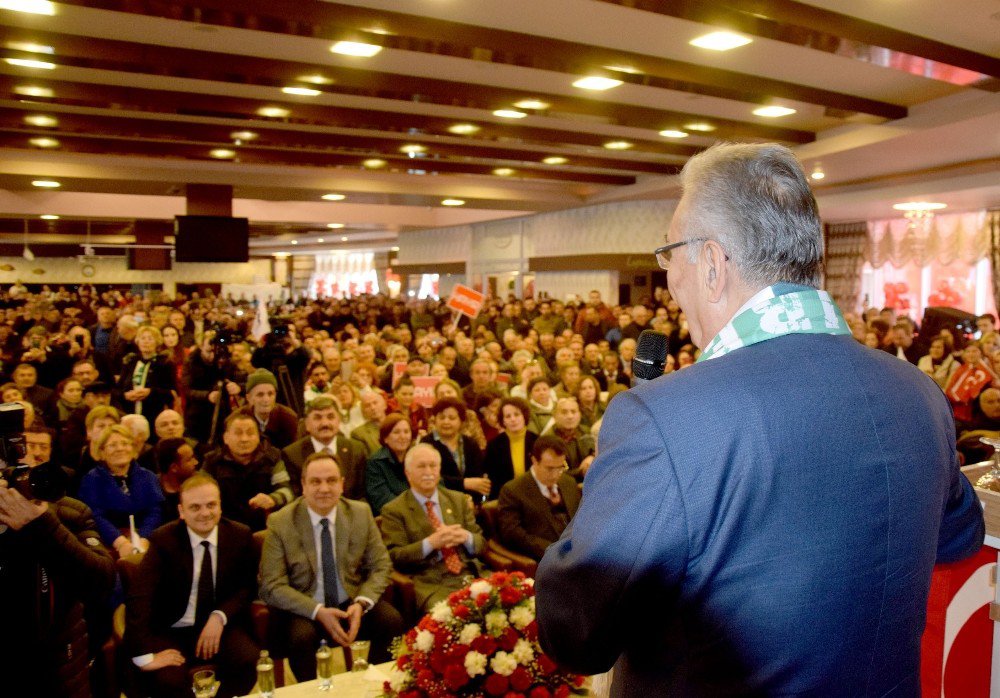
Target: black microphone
<point>650,356</point>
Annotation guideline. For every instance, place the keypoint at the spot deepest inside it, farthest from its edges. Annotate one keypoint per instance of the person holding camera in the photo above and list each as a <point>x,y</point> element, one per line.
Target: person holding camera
<point>282,348</point>
<point>209,387</point>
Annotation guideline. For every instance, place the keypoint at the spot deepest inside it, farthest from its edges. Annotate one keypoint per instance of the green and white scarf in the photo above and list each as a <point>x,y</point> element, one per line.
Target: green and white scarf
<point>771,313</point>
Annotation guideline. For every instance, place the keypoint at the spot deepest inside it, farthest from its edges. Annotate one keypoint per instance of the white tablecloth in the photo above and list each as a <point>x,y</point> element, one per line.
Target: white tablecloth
<point>350,685</point>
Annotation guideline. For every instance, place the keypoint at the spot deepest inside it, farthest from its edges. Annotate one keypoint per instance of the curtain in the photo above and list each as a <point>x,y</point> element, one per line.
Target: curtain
<point>993,223</point>
<point>845,256</point>
<point>944,239</point>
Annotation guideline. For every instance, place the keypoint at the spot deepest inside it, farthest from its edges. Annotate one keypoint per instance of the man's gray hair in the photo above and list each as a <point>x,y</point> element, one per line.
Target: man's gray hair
<point>754,200</point>
<point>416,449</point>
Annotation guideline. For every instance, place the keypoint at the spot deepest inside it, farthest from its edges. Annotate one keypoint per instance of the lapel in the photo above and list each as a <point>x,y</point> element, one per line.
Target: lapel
<point>419,515</point>
<point>449,515</point>
<point>303,526</point>
<point>343,532</point>
<point>186,554</point>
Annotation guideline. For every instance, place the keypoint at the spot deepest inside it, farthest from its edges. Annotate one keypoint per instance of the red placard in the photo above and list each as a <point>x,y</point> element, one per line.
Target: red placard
<point>466,300</point>
<point>398,370</point>
<point>423,393</point>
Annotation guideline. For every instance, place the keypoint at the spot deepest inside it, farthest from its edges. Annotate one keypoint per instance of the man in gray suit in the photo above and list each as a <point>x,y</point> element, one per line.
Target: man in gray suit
<point>431,532</point>
<point>323,427</point>
<point>321,583</point>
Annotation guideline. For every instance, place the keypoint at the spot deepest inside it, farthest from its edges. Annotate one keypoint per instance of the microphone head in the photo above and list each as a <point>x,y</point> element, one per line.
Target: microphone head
<point>650,355</point>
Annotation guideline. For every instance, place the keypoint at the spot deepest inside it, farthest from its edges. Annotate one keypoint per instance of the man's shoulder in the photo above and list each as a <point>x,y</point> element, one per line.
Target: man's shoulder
<point>284,519</point>
<point>399,505</point>
<point>169,534</point>
<point>355,509</point>
<point>296,449</point>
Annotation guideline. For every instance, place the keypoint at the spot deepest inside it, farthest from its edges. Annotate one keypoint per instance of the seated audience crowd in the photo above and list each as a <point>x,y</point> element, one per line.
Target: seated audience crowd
<point>357,441</point>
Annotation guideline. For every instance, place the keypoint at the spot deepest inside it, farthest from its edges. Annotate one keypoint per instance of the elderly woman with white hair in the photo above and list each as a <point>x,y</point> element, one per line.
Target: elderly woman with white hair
<point>147,384</point>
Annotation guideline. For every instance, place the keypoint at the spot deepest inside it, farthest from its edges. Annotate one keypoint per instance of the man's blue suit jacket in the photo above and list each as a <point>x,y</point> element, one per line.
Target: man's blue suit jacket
<point>764,523</point>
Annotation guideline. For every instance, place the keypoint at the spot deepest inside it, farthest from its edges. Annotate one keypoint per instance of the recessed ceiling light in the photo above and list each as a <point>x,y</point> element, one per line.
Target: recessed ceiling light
<point>315,79</point>
<point>355,48</point>
<point>41,120</point>
<point>509,114</point>
<point>295,242</point>
<point>627,69</point>
<point>343,239</point>
<point>33,91</point>
<point>374,163</point>
<point>30,63</point>
<point>453,202</point>
<point>46,184</point>
<point>222,153</point>
<point>773,112</point>
<point>35,7</point>
<point>817,172</point>
<point>503,172</point>
<point>300,91</point>
<point>532,104</point>
<point>333,197</point>
<point>394,249</point>
<point>720,41</point>
<point>463,129</point>
<point>596,82</point>
<point>673,133</point>
<point>282,255</point>
<point>49,217</point>
<point>413,148</point>
<point>617,145</point>
<point>700,126</point>
<point>243,135</point>
<point>273,112</point>
<point>919,206</point>
<point>320,240</point>
<point>378,30</point>
<point>555,160</point>
<point>335,226</point>
<point>44,142</point>
<point>29,47</point>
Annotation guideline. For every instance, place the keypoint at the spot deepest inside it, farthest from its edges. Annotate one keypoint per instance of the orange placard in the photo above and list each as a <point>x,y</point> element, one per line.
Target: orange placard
<point>466,300</point>
<point>423,393</point>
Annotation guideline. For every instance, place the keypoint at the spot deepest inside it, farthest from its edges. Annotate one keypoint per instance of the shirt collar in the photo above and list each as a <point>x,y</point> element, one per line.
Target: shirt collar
<point>422,500</point>
<point>318,446</point>
<point>212,538</point>
<point>541,488</point>
<point>315,518</point>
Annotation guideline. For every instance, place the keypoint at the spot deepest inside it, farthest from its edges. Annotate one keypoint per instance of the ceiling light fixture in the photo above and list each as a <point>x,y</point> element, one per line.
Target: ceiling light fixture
<point>44,142</point>
<point>720,41</point>
<point>627,69</point>
<point>503,172</point>
<point>596,82</point>
<point>463,129</point>
<point>295,242</point>
<point>919,206</point>
<point>300,91</point>
<point>355,48</point>
<point>33,91</point>
<point>333,197</point>
<point>818,172</point>
<point>315,79</point>
<point>46,183</point>
<point>700,126</point>
<point>343,239</point>
<point>413,148</point>
<point>282,255</point>
<point>273,112</point>
<point>453,202</point>
<point>242,136</point>
<point>320,240</point>
<point>535,104</point>
<point>374,163</point>
<point>30,63</point>
<point>509,114</point>
<point>773,112</point>
<point>335,226</point>
<point>30,48</point>
<point>222,153</point>
<point>41,120</point>
<point>35,7</point>
<point>617,145</point>
<point>555,160</point>
<point>49,217</point>
<point>673,133</point>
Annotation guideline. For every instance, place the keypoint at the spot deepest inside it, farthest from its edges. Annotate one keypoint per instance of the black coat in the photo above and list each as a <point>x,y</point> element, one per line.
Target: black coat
<point>452,478</point>
<point>498,463</point>
<point>161,380</point>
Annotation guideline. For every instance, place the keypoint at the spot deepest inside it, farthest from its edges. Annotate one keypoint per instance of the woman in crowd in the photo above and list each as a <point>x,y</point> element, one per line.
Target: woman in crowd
<point>508,455</point>
<point>173,348</point>
<point>938,363</point>
<point>588,395</point>
<point>531,371</point>
<point>69,396</point>
<point>569,379</point>
<point>487,412</point>
<point>471,426</point>
<point>542,404</point>
<point>461,459</point>
<point>119,488</point>
<point>349,402</point>
<point>146,385</point>
<point>402,402</point>
<point>384,476</point>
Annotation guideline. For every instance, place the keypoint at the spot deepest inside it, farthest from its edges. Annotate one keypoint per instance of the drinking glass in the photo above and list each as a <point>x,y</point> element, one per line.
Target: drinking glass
<point>359,652</point>
<point>205,685</point>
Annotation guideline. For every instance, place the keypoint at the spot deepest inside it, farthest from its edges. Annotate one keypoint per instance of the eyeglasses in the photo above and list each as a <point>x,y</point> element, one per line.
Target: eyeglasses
<point>664,254</point>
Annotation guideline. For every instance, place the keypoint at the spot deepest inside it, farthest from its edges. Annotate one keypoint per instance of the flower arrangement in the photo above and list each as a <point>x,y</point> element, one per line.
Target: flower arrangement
<point>482,641</point>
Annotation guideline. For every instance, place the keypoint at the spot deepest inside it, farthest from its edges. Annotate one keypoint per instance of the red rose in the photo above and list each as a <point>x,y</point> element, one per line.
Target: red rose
<point>496,685</point>
<point>439,662</point>
<point>456,654</point>
<point>424,678</point>
<point>455,677</point>
<point>403,661</point>
<point>427,623</point>
<point>411,636</point>
<point>528,590</point>
<point>508,639</point>
<point>545,664</point>
<point>499,579</point>
<point>482,600</point>
<point>561,691</point>
<point>518,575</point>
<point>510,596</point>
<point>531,631</point>
<point>578,680</point>
<point>540,692</point>
<point>485,645</point>
<point>460,595</point>
<point>520,680</point>
<point>462,611</point>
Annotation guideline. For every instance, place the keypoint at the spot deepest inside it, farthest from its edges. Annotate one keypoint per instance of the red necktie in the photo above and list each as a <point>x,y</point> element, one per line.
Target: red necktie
<point>450,556</point>
<point>554,496</point>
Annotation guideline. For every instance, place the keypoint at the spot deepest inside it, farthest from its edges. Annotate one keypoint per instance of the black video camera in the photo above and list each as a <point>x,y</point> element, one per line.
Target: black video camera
<point>47,481</point>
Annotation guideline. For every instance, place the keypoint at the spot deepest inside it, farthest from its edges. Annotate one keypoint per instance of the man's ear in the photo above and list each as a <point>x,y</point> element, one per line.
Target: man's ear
<point>715,275</point>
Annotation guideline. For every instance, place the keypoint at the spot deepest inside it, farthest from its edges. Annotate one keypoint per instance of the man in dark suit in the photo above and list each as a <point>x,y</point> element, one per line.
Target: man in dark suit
<point>431,532</point>
<point>761,507</point>
<point>323,428</point>
<point>536,507</point>
<point>326,584</point>
<point>190,603</point>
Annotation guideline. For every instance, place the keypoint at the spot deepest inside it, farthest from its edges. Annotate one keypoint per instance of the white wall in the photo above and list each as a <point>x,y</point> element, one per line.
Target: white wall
<point>561,284</point>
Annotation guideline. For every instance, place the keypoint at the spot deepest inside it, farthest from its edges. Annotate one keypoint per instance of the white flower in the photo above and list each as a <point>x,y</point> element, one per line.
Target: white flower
<point>503,663</point>
<point>523,652</point>
<point>398,680</point>
<point>470,633</point>
<point>441,612</point>
<point>480,586</point>
<point>475,664</point>
<point>529,581</point>
<point>521,616</point>
<point>425,641</point>
<point>496,621</point>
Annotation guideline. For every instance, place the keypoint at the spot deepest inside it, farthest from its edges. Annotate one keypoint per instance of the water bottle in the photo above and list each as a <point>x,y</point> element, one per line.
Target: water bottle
<point>324,666</point>
<point>265,675</point>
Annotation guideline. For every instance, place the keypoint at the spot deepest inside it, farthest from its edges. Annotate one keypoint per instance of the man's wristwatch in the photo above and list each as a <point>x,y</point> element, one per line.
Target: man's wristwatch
<point>365,604</point>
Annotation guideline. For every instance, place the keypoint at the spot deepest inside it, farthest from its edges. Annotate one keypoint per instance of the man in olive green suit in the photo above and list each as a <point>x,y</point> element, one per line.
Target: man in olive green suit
<point>431,532</point>
<point>321,583</point>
